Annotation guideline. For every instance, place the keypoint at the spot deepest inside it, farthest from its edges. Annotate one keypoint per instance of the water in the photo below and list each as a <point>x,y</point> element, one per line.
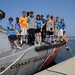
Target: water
<point>64,54</point>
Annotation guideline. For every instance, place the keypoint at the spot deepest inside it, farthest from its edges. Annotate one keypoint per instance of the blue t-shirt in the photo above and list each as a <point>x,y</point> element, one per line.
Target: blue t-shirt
<point>61,25</point>
<point>43,20</point>
<point>38,22</point>
<point>10,31</point>
<point>17,26</point>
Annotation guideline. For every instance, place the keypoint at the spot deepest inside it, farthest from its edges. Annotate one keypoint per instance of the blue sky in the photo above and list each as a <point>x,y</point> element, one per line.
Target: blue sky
<point>61,8</point>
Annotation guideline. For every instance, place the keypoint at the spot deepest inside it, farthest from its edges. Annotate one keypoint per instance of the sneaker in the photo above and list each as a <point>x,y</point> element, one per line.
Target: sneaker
<point>18,47</point>
<point>67,48</point>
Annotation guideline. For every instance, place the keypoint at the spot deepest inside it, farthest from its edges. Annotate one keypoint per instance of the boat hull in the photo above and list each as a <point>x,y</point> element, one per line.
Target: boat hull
<point>30,63</point>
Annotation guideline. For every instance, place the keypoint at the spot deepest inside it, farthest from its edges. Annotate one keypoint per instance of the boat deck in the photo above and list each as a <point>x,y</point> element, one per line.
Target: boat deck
<point>64,68</point>
<point>37,47</point>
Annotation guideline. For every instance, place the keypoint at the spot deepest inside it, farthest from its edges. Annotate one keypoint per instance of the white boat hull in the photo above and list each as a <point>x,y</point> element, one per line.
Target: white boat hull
<point>27,61</point>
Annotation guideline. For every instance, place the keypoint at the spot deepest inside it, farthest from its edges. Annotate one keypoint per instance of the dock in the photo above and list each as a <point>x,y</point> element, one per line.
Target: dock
<point>66,67</point>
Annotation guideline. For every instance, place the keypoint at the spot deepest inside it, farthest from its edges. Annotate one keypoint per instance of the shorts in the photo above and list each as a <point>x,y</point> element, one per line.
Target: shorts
<point>18,32</point>
<point>60,32</point>
<point>49,33</point>
<point>12,37</point>
<point>24,31</point>
<point>56,33</point>
<point>38,30</point>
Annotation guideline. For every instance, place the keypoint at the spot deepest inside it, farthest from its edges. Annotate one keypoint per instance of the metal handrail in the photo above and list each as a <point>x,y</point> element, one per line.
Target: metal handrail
<point>16,60</point>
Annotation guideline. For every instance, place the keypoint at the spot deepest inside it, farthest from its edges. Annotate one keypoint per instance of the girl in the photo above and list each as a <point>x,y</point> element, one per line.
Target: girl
<point>38,29</point>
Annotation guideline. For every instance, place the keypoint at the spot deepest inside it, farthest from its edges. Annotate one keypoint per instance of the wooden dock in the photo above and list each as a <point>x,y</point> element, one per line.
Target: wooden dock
<point>64,68</point>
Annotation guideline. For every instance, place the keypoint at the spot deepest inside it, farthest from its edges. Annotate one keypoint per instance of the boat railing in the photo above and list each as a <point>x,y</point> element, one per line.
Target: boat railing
<point>20,57</point>
<point>3,30</point>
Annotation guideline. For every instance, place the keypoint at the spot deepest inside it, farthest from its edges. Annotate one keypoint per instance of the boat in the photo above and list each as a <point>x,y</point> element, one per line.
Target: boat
<point>28,60</point>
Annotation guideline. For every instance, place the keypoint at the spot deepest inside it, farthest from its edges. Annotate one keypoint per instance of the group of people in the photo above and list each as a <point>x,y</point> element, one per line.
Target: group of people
<point>36,30</point>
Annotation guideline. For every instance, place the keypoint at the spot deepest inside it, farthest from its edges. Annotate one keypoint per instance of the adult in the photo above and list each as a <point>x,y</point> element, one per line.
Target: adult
<point>31,30</point>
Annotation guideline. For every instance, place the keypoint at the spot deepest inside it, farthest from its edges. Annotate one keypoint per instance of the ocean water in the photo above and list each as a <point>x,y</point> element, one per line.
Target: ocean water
<point>64,54</point>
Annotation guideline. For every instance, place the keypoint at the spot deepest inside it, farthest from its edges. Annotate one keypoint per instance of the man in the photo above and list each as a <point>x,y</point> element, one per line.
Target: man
<point>11,33</point>
<point>31,31</point>
<point>43,29</point>
<point>24,27</point>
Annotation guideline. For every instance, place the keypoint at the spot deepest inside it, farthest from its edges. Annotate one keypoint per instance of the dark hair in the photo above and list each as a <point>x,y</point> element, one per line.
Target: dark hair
<point>17,18</point>
<point>41,15</point>
<point>37,17</point>
<point>48,15</point>
<point>10,18</point>
<point>23,12</point>
<point>64,32</point>
<point>31,12</point>
<point>57,17</point>
<point>51,17</point>
<point>28,14</point>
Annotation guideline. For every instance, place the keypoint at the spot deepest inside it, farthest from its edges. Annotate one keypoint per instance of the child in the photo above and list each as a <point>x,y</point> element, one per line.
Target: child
<point>24,27</point>
<point>65,39</point>
<point>17,27</point>
<point>11,33</point>
<point>38,29</point>
<point>49,29</point>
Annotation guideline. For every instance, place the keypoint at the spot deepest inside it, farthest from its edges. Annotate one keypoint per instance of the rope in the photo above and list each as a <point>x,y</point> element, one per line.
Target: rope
<point>16,60</point>
<point>71,51</point>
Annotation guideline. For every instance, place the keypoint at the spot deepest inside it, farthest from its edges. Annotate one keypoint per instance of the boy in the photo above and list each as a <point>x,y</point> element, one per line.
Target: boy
<point>65,39</point>
<point>11,33</point>
<point>24,26</point>
<point>49,29</point>
<point>17,27</point>
<point>61,28</point>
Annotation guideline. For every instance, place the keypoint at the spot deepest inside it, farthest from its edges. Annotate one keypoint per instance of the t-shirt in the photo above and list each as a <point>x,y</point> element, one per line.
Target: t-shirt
<point>17,26</point>
<point>38,22</point>
<point>49,25</point>
<point>57,25</point>
<point>43,20</point>
<point>31,22</point>
<point>23,22</point>
<point>61,25</point>
<point>10,31</point>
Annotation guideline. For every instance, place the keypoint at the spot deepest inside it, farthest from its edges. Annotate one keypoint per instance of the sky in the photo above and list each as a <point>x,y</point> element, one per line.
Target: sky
<point>62,8</point>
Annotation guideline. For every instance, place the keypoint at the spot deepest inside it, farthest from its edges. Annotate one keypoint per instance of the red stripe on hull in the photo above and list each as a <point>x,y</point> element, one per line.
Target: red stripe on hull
<point>50,57</point>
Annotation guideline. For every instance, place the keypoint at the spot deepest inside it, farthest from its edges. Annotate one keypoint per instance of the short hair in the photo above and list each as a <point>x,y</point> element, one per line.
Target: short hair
<point>28,13</point>
<point>62,19</point>
<point>10,18</point>
<point>64,32</point>
<point>31,12</point>
<point>57,17</point>
<point>41,15</point>
<point>48,15</point>
<point>52,17</point>
<point>17,18</point>
<point>23,12</point>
